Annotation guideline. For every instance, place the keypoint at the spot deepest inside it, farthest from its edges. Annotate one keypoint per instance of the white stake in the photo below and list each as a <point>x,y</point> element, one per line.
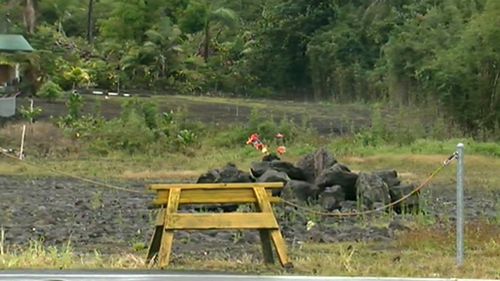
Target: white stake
<point>31,111</point>
<point>2,240</point>
<point>22,143</point>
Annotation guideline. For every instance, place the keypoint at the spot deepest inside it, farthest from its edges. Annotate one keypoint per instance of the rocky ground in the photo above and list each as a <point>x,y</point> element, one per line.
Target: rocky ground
<point>58,210</point>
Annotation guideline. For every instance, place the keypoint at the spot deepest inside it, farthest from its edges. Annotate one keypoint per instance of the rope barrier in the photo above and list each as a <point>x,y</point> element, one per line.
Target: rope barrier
<point>286,202</point>
<point>353,214</point>
<point>115,187</point>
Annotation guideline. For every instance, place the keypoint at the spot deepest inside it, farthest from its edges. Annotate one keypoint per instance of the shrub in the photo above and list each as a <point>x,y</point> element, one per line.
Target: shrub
<point>74,104</point>
<point>148,110</point>
<point>139,129</point>
<point>264,125</point>
<point>186,137</point>
<point>50,91</point>
<point>128,134</point>
<point>30,114</point>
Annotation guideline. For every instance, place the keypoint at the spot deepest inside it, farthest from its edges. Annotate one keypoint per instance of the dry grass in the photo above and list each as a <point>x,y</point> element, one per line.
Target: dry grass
<point>44,138</point>
<point>36,256</point>
<point>481,172</point>
<point>421,252</point>
<point>165,175</point>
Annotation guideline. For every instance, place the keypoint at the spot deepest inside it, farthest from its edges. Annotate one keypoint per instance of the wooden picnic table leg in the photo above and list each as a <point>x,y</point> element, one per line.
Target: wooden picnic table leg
<point>267,248</point>
<point>277,238</point>
<point>265,240</point>
<point>154,245</point>
<point>168,234</point>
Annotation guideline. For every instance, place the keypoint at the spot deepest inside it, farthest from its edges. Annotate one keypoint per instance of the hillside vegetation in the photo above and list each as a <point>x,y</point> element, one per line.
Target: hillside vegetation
<point>441,55</point>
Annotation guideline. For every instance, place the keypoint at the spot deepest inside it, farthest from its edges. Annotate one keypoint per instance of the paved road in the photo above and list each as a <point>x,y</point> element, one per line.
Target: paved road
<point>84,276</point>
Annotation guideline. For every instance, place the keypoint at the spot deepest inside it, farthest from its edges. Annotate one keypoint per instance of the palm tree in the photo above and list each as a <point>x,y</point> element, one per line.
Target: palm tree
<point>224,16</point>
<point>90,24</point>
<point>158,57</point>
<point>163,46</point>
<point>200,16</point>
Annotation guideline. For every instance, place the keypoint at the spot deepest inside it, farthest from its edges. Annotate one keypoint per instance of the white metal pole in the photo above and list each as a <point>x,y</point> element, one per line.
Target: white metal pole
<point>460,205</point>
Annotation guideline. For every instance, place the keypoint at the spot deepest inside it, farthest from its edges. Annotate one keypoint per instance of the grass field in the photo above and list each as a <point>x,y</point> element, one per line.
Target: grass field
<point>481,170</point>
<point>425,250</point>
<point>419,253</point>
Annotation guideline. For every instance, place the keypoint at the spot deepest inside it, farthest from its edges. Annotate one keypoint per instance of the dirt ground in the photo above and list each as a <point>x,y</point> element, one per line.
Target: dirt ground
<point>57,210</point>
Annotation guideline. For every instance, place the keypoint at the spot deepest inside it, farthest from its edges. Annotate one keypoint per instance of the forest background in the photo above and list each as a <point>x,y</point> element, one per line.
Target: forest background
<point>425,53</point>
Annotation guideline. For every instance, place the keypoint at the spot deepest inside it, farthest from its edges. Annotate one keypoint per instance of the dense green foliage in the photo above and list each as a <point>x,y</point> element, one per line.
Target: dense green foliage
<point>140,128</point>
<point>405,52</point>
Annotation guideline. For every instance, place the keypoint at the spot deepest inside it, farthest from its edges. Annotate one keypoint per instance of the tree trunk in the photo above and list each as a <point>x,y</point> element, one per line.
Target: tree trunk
<point>207,41</point>
<point>90,24</point>
<point>399,89</point>
<point>493,97</point>
<point>29,15</point>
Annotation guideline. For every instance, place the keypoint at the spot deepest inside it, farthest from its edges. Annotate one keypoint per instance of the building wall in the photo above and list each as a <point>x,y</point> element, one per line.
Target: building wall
<point>7,106</point>
<point>7,73</point>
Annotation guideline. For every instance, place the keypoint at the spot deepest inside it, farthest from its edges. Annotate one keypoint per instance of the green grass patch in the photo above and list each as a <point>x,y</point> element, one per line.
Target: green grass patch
<point>481,170</point>
<point>353,146</point>
<point>420,252</point>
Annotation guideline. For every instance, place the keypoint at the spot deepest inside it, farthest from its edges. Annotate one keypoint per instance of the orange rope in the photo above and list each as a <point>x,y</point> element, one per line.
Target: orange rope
<point>305,209</point>
<point>3,151</point>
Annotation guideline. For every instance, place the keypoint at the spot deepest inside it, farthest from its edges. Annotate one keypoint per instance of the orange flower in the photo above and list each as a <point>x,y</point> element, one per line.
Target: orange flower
<point>281,150</point>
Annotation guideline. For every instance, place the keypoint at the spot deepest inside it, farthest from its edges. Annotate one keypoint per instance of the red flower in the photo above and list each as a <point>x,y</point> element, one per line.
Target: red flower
<point>253,138</point>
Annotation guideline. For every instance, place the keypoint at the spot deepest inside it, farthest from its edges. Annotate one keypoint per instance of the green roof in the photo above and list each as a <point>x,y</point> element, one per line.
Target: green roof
<point>14,43</point>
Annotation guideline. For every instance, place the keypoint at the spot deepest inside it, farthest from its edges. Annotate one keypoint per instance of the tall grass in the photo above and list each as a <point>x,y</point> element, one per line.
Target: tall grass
<point>146,143</point>
<point>37,255</point>
<point>422,251</point>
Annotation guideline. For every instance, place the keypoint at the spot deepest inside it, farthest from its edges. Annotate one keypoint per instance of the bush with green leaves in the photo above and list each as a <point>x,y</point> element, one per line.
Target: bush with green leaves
<point>74,104</point>
<point>140,128</point>
<point>30,114</point>
<point>50,91</point>
<point>186,137</point>
<point>128,133</point>
<point>148,110</point>
<point>267,127</point>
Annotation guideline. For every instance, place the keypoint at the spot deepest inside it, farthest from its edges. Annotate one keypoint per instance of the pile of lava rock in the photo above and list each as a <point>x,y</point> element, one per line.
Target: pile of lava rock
<point>319,178</point>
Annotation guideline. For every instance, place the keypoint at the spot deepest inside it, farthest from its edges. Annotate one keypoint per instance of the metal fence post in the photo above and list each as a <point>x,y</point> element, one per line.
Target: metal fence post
<point>460,205</point>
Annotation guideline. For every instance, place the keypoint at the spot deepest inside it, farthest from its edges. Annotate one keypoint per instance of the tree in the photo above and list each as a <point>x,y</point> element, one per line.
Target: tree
<point>163,48</point>
<point>30,15</point>
<point>466,77</point>
<point>200,16</point>
<point>90,23</point>
<point>66,16</point>
<point>128,20</point>
<point>286,27</point>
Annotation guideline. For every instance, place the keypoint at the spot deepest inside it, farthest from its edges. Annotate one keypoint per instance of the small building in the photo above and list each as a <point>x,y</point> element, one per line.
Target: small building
<point>9,71</point>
